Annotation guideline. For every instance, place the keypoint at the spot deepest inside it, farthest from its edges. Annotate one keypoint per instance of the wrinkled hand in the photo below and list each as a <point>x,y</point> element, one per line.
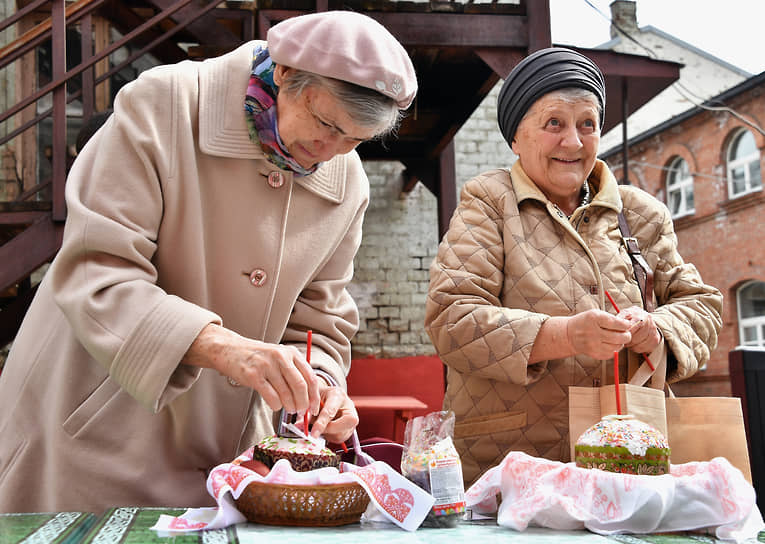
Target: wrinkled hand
<point>338,417</point>
<point>597,333</point>
<point>280,374</point>
<point>645,334</point>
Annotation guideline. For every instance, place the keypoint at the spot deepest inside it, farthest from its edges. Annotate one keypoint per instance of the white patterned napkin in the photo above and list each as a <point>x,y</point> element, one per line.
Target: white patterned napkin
<point>713,496</point>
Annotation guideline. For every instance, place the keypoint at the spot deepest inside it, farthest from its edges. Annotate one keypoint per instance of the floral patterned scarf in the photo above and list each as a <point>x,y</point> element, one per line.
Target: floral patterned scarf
<point>260,110</point>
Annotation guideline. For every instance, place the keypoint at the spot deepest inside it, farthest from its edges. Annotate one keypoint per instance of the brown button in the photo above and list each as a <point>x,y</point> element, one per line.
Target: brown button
<point>232,382</point>
<point>258,277</point>
<point>276,179</point>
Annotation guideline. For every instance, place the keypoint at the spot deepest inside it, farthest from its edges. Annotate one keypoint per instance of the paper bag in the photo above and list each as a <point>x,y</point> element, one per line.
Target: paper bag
<point>702,428</point>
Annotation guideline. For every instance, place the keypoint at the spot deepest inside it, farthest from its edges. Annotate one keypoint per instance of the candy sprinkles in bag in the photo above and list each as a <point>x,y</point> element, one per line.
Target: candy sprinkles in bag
<point>431,461</point>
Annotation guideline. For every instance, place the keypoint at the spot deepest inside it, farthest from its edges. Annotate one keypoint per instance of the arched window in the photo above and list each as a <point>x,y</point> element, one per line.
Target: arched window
<point>751,314</point>
<point>679,188</point>
<point>743,165</point>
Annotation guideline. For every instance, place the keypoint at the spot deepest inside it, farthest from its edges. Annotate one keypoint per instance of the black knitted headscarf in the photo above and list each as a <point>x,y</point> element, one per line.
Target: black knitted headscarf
<point>541,72</point>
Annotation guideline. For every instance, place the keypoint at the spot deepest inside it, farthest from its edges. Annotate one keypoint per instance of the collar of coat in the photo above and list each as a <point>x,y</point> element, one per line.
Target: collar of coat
<point>223,128</point>
<point>601,179</point>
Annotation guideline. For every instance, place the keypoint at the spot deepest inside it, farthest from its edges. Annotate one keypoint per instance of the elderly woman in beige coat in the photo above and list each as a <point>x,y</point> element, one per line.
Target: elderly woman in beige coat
<point>212,222</point>
<point>517,306</point>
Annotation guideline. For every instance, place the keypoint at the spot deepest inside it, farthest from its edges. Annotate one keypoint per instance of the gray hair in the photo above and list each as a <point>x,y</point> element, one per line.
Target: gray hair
<point>366,107</point>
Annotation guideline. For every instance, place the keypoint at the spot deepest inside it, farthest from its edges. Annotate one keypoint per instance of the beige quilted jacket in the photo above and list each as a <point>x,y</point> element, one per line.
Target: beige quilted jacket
<point>511,259</point>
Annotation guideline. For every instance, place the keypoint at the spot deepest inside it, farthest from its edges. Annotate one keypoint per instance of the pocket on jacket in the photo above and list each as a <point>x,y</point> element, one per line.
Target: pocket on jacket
<point>90,407</point>
<point>490,424</point>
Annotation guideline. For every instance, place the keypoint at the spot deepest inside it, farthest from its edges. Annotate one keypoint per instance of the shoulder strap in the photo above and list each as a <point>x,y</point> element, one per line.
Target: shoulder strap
<point>643,272</point>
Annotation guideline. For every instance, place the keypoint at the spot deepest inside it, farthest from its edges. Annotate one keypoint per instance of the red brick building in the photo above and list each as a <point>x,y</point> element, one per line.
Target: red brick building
<point>707,164</point>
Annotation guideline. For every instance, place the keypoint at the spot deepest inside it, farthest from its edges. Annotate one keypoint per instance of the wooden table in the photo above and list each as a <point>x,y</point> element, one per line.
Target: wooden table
<point>402,407</point>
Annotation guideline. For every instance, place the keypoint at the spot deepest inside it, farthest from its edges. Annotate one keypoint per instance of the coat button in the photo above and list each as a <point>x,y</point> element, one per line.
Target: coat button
<point>276,179</point>
<point>258,277</point>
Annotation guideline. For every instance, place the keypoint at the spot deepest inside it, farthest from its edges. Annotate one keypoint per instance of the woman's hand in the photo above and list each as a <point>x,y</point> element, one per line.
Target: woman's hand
<point>597,333</point>
<point>338,417</point>
<point>280,374</point>
<point>645,334</point>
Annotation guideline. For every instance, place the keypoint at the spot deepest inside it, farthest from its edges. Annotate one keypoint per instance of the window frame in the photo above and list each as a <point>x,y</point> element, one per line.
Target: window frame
<point>674,170</point>
<point>744,162</point>
<point>756,322</point>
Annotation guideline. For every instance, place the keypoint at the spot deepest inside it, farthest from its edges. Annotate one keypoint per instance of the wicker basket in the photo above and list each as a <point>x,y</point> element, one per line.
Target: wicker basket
<point>303,505</point>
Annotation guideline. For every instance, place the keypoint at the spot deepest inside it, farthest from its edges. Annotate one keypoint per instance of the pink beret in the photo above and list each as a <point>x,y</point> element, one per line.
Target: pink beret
<point>347,46</point>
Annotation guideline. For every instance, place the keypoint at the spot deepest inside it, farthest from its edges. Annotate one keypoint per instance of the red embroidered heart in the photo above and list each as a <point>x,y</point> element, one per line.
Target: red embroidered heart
<point>397,502</point>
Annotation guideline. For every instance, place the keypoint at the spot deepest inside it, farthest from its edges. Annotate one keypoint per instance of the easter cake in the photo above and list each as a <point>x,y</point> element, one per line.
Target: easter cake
<point>621,443</point>
<point>303,455</point>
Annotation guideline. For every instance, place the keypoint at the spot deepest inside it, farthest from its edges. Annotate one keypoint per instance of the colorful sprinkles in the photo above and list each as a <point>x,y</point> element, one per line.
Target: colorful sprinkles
<point>623,432</point>
<point>292,445</point>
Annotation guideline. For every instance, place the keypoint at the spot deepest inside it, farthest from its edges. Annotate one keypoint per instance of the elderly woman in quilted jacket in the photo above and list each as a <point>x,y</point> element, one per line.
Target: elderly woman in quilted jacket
<point>518,303</point>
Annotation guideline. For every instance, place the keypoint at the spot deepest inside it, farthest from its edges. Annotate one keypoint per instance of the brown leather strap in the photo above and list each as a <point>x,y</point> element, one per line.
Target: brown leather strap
<point>643,272</point>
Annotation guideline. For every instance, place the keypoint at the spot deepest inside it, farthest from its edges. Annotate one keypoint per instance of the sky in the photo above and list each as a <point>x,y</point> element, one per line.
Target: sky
<point>729,29</point>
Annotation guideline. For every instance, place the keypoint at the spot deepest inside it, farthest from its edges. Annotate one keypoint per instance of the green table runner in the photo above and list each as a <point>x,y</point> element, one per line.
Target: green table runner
<point>132,526</point>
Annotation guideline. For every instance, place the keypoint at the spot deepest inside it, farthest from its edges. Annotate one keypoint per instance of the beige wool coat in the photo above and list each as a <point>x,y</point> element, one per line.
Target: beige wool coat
<point>511,259</point>
<point>170,210</point>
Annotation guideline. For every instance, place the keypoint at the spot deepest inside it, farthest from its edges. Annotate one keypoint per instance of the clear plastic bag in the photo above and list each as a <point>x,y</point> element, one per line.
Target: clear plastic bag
<point>431,461</point>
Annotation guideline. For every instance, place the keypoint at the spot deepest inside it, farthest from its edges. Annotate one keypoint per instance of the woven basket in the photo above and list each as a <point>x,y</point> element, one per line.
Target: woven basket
<point>303,505</point>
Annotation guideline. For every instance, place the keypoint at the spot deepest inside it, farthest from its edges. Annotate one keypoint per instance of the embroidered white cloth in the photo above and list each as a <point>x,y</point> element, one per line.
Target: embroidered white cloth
<point>394,498</point>
<point>713,496</point>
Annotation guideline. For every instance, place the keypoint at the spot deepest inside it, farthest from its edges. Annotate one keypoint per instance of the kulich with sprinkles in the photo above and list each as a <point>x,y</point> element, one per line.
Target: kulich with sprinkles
<point>303,455</point>
<point>621,443</point>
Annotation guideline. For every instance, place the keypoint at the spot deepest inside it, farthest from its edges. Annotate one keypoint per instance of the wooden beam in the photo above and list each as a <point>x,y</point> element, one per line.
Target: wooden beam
<point>460,114</point>
<point>539,24</point>
<point>433,29</point>
<point>501,60</point>
<point>422,170</point>
<point>447,181</point>
<point>454,29</point>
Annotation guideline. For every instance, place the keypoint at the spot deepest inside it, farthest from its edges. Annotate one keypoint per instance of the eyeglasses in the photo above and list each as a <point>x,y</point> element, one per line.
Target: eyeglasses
<point>332,130</point>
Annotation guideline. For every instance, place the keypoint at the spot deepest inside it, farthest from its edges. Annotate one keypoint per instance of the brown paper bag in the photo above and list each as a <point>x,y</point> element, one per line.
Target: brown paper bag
<point>702,428</point>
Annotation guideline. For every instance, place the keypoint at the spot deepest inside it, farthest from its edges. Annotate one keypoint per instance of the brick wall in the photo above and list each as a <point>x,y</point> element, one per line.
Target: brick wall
<point>391,268</point>
<point>401,238</point>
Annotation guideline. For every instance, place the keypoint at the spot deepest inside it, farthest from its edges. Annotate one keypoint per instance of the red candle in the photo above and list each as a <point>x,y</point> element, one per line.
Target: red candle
<point>616,383</point>
<point>308,359</point>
